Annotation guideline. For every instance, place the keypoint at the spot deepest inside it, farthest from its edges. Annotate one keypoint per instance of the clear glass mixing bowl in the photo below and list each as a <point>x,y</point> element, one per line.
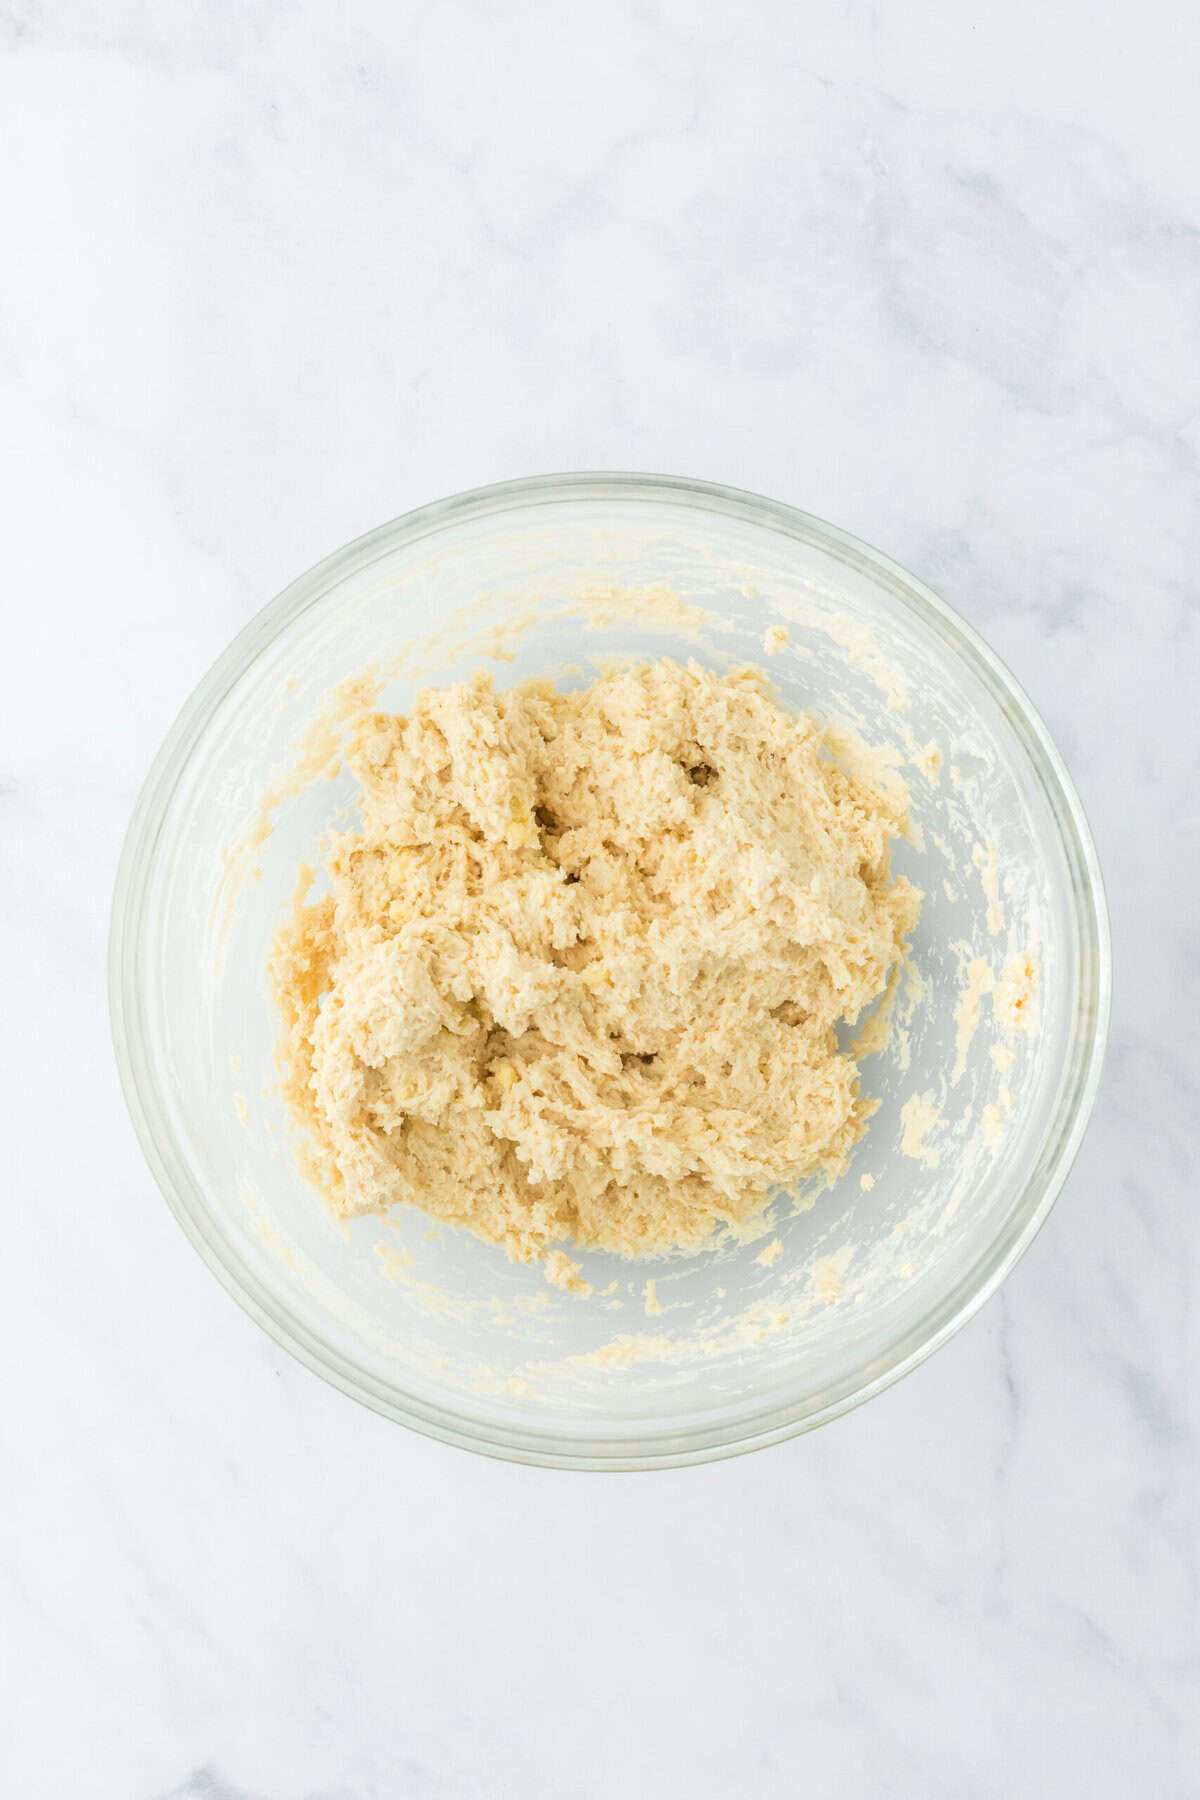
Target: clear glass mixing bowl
<point>749,1342</point>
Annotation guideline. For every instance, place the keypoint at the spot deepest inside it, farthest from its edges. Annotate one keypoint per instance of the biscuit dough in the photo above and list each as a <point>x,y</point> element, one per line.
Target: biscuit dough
<point>579,973</point>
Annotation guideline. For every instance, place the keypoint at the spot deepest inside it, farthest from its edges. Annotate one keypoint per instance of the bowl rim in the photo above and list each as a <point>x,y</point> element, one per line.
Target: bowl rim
<point>553,1447</point>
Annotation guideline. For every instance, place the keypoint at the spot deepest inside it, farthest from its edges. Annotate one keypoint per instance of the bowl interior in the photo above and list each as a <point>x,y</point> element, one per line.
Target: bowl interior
<point>747,1339</point>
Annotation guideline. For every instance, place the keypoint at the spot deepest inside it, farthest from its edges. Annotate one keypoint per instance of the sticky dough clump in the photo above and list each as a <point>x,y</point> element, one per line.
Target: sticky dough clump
<point>578,974</point>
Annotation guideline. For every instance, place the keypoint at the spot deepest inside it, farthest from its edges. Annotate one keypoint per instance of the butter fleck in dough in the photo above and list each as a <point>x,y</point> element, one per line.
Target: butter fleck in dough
<point>578,974</point>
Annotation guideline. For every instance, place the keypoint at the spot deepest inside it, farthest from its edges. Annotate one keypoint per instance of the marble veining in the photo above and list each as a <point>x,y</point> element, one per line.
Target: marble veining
<point>275,273</point>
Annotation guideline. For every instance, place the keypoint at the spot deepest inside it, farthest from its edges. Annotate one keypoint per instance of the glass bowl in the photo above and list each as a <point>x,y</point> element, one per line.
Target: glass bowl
<point>834,1296</point>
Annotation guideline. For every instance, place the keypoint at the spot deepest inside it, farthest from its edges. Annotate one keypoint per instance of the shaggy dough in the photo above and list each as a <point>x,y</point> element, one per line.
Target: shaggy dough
<point>579,973</point>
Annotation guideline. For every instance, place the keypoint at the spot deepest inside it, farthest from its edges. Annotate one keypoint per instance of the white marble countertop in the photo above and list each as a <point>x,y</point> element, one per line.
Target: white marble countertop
<point>275,273</point>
